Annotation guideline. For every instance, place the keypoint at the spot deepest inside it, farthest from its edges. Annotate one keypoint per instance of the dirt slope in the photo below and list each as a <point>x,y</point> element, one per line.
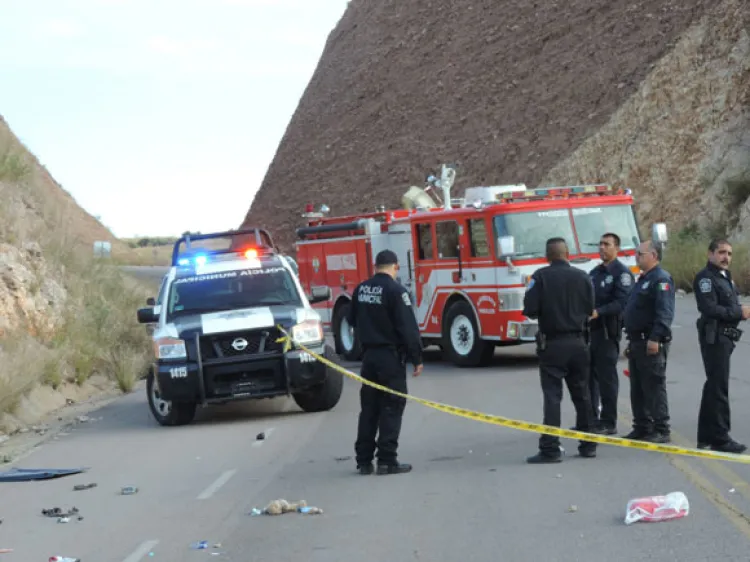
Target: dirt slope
<point>505,88</point>
<point>66,318</point>
<point>83,228</point>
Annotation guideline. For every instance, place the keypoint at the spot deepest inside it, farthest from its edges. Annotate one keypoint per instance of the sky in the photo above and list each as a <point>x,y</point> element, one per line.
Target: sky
<point>158,116</point>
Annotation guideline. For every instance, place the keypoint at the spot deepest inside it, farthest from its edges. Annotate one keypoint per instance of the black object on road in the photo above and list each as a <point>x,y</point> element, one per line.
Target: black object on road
<point>28,474</point>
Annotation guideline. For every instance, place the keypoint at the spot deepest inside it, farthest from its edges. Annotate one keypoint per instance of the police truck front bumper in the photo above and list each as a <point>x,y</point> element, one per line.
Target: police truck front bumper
<point>264,375</point>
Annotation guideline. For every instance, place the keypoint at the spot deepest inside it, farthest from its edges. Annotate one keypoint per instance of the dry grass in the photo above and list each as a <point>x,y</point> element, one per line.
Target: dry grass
<point>98,331</point>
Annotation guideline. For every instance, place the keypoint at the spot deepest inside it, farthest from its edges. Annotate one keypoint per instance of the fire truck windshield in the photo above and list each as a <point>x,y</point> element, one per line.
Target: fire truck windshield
<point>532,229</point>
<point>230,290</point>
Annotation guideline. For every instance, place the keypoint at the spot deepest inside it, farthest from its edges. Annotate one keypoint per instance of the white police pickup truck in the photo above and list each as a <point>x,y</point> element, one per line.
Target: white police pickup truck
<point>215,329</point>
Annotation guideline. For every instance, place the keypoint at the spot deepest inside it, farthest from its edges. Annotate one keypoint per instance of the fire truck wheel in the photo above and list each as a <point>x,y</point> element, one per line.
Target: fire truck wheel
<point>324,396</point>
<point>347,344</point>
<point>461,341</point>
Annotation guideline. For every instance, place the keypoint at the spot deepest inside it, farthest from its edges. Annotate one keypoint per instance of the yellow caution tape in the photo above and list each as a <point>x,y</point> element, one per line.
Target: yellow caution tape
<point>523,425</point>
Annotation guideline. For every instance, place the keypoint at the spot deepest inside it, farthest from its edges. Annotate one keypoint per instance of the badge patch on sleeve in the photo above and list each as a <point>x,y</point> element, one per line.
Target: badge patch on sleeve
<point>705,285</point>
<point>625,280</point>
<point>406,299</point>
<point>664,286</point>
<point>531,284</point>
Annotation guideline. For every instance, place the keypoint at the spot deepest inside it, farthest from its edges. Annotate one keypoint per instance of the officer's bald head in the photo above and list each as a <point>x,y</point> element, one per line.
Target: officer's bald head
<point>557,249</point>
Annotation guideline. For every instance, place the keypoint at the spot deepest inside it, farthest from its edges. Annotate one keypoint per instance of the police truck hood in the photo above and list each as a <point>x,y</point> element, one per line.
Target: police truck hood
<point>187,325</point>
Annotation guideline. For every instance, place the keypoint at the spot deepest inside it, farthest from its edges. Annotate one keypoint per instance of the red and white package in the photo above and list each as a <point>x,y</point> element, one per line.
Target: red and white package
<point>657,508</point>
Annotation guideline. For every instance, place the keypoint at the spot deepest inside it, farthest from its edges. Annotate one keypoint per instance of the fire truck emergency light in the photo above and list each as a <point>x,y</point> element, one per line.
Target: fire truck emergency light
<point>563,192</point>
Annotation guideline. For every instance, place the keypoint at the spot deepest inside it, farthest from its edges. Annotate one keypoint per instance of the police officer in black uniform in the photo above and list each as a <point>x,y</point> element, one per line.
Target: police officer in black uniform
<point>561,297</point>
<point>382,314</point>
<point>718,302</point>
<point>648,325</point>
<point>612,285</point>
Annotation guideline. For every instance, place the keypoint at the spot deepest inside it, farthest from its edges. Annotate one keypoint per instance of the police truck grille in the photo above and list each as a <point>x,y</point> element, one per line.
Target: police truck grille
<point>239,344</point>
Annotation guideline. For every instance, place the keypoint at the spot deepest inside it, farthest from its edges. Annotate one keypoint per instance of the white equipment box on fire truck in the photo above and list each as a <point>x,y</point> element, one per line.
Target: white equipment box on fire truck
<point>466,262</point>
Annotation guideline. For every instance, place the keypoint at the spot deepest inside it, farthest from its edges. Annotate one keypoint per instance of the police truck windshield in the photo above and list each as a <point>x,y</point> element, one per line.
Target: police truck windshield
<point>230,290</point>
<point>532,229</point>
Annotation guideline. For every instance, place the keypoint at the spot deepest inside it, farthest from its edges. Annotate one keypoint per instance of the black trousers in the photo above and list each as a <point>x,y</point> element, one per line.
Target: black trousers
<point>604,383</point>
<point>714,416</point>
<point>648,388</point>
<point>568,359</point>
<point>381,413</point>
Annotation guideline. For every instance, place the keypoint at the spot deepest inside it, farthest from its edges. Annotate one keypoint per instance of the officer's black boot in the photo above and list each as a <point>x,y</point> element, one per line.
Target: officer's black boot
<point>365,469</point>
<point>544,458</point>
<point>397,468</point>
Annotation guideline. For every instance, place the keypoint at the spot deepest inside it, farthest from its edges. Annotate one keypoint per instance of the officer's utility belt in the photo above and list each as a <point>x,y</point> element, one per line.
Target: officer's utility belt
<point>642,336</point>
<point>563,336</point>
<point>733,334</point>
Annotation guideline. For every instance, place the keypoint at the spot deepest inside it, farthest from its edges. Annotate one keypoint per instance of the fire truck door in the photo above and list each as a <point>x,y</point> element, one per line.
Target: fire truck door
<point>400,244</point>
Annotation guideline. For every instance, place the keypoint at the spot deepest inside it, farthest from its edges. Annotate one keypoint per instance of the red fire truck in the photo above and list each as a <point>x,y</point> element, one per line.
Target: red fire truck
<point>466,262</point>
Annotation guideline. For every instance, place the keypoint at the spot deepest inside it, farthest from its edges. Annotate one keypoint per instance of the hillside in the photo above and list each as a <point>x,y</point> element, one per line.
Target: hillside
<point>67,321</point>
<point>652,94</point>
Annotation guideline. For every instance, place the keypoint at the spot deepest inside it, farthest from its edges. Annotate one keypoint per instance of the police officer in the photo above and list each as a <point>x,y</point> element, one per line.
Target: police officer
<point>382,314</point>
<point>648,325</point>
<point>562,298</point>
<point>718,302</point>
<point>612,284</point>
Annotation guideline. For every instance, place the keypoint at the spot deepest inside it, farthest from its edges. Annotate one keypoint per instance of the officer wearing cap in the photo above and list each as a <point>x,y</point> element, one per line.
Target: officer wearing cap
<point>612,284</point>
<point>648,324</point>
<point>562,298</point>
<point>718,302</point>
<point>382,315</point>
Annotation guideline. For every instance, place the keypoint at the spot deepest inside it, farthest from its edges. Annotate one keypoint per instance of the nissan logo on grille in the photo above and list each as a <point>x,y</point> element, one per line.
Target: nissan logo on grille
<point>239,344</point>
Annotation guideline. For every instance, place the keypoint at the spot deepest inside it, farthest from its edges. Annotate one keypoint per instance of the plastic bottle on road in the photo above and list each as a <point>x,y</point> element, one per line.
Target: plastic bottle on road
<point>63,559</point>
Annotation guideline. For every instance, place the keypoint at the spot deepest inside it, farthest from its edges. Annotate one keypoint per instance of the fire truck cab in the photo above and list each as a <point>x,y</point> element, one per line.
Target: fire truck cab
<point>466,262</point>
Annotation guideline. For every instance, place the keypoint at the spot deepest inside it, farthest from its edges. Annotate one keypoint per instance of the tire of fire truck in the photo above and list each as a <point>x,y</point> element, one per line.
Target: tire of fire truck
<point>461,342</point>
<point>324,396</point>
<point>347,345</point>
<point>166,412</point>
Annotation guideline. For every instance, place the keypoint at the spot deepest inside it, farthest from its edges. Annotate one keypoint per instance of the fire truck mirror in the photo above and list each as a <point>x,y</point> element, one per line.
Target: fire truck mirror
<point>319,294</point>
<point>506,247</point>
<point>659,232</point>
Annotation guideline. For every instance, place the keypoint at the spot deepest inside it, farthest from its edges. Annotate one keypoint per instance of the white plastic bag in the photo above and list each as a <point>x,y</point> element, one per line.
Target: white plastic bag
<point>652,509</point>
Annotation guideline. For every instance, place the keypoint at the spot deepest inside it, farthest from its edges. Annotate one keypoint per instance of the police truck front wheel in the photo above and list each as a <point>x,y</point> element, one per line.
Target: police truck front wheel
<point>167,412</point>
<point>347,344</point>
<point>324,396</point>
<point>461,341</point>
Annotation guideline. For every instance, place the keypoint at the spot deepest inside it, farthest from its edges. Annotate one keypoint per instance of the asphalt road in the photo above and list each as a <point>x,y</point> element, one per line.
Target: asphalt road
<point>471,495</point>
<point>148,273</point>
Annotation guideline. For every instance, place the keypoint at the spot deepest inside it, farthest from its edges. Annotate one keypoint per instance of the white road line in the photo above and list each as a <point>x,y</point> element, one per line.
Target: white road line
<point>218,483</point>
<point>141,551</point>
<point>258,443</point>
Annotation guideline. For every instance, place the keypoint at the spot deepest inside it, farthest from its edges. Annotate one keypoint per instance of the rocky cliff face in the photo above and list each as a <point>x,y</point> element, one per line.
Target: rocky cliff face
<point>66,319</point>
<point>649,93</point>
<point>35,207</point>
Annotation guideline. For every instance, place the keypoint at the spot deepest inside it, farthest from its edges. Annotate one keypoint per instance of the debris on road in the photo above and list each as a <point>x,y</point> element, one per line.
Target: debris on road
<point>79,487</point>
<point>572,509</point>
<point>261,436</point>
<point>652,509</point>
<point>63,559</point>
<point>6,550</point>
<point>343,458</point>
<point>128,491</point>
<point>57,512</point>
<point>28,474</point>
<point>278,507</point>
<point>199,545</point>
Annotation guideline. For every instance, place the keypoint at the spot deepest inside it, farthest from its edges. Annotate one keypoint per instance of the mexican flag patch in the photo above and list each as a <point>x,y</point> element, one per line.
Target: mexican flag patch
<point>664,286</point>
